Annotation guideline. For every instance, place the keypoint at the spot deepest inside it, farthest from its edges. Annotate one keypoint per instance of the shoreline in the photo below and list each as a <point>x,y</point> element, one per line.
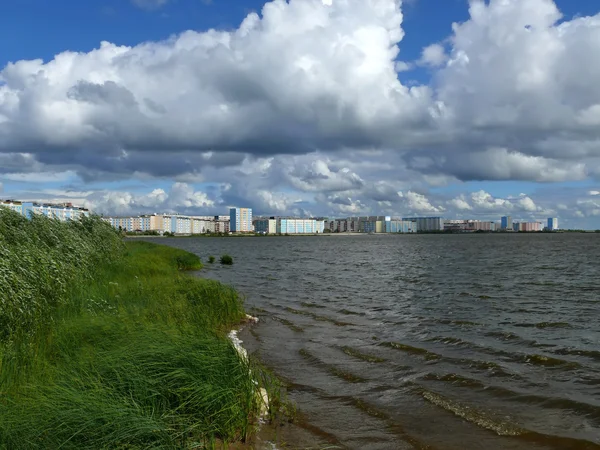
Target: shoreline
<point>127,349</point>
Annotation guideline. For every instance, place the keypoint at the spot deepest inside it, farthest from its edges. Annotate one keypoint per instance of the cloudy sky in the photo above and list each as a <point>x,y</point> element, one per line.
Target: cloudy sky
<point>308,107</point>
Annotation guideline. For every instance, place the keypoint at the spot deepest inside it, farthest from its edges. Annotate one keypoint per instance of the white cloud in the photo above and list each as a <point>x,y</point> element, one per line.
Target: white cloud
<point>460,203</point>
<point>317,175</point>
<point>305,99</point>
<point>433,55</point>
<point>485,201</point>
<point>419,203</point>
<point>516,98</point>
<point>594,192</point>
<point>527,204</point>
<point>180,198</point>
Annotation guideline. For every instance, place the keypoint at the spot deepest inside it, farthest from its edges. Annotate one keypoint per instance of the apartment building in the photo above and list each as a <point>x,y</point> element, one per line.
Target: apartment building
<point>468,225</point>
<point>266,226</point>
<point>400,226</point>
<point>298,226</point>
<point>171,223</point>
<point>240,220</point>
<point>528,227</point>
<point>427,224</point>
<point>63,211</point>
<point>552,224</point>
<point>506,223</point>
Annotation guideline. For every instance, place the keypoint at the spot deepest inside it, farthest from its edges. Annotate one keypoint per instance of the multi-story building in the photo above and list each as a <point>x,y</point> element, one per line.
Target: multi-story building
<point>372,224</point>
<point>266,226</point>
<point>299,226</point>
<point>427,224</point>
<point>171,223</point>
<point>289,225</point>
<point>240,220</point>
<point>222,224</point>
<point>468,225</point>
<point>400,226</point>
<point>552,224</point>
<point>527,227</point>
<point>63,211</point>
<point>506,223</point>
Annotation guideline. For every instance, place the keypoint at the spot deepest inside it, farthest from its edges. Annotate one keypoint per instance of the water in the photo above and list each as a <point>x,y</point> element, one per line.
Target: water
<point>442,342</point>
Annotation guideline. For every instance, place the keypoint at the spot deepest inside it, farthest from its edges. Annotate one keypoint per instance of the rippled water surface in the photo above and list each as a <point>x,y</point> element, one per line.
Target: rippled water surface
<point>442,342</point>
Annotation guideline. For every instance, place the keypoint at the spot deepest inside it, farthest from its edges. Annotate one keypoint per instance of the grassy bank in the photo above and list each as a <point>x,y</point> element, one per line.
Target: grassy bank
<point>107,345</point>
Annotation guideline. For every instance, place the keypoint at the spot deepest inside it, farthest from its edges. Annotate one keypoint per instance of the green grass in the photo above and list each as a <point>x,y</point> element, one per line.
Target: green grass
<point>211,259</point>
<point>106,345</point>
<point>227,260</point>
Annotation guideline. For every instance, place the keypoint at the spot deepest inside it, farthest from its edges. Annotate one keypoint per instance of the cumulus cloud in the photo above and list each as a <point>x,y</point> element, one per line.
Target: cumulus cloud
<point>485,201</point>
<point>181,198</point>
<point>594,192</point>
<point>305,75</point>
<point>527,204</point>
<point>319,176</point>
<point>419,203</point>
<point>306,99</point>
<point>433,55</point>
<point>460,203</point>
<point>309,75</point>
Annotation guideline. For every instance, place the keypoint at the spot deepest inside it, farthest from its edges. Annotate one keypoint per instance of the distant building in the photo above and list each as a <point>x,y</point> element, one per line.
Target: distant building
<point>62,211</point>
<point>527,227</point>
<point>171,223</point>
<point>400,226</point>
<point>299,226</point>
<point>427,224</point>
<point>267,226</point>
<point>552,224</point>
<point>240,220</point>
<point>468,226</point>
<point>506,223</point>
<point>289,225</point>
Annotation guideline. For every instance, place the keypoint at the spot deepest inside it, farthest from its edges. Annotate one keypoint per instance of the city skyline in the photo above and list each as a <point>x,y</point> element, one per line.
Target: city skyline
<point>242,219</point>
<point>382,107</point>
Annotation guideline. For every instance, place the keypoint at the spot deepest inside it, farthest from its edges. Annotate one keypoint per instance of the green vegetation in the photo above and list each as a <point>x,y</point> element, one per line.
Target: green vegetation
<point>211,259</point>
<point>227,260</point>
<point>110,345</point>
<point>142,233</point>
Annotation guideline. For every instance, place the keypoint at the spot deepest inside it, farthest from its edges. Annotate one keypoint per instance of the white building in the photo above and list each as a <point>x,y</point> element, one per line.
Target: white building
<point>552,223</point>
<point>63,212</point>
<point>427,224</point>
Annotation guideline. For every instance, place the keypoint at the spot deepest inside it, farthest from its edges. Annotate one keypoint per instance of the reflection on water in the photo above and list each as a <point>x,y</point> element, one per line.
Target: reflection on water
<point>444,342</point>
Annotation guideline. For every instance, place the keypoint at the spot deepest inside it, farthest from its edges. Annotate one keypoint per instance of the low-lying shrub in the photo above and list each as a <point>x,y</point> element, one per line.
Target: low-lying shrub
<point>211,259</point>
<point>227,260</point>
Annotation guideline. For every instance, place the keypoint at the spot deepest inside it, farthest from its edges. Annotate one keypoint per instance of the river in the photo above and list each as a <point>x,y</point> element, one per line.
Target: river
<point>451,342</point>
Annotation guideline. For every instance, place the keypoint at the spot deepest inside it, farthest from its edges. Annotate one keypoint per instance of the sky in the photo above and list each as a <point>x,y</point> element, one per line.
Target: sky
<point>460,109</point>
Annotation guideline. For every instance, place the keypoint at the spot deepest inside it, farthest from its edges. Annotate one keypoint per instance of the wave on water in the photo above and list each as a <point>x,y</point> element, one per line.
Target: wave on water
<point>331,369</point>
<point>584,410</point>
<point>592,354</point>
<point>544,325</point>
<point>411,350</point>
<point>500,427</point>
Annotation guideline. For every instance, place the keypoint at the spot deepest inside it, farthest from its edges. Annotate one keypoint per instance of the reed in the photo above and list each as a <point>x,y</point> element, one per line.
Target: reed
<point>111,345</point>
<point>226,260</point>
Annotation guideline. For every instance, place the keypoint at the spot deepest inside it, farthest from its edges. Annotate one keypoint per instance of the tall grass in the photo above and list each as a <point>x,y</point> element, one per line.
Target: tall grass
<point>107,345</point>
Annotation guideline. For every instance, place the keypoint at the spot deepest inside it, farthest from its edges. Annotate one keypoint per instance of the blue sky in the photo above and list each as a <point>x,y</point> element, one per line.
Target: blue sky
<point>426,152</point>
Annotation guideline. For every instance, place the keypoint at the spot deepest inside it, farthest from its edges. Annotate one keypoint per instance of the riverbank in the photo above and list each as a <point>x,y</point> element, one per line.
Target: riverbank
<point>105,344</point>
